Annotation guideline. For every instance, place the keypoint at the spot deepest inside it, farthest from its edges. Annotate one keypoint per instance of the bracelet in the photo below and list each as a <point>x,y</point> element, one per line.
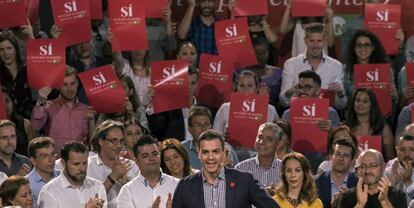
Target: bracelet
<point>110,179</point>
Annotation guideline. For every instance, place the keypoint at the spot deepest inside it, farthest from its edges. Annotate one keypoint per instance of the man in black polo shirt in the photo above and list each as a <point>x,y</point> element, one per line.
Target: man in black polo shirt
<point>11,163</point>
<point>372,189</point>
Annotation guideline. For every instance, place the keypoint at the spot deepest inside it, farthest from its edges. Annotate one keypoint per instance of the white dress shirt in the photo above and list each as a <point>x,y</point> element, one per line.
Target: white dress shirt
<point>330,70</point>
<point>59,193</point>
<point>222,117</point>
<point>99,171</point>
<point>138,194</point>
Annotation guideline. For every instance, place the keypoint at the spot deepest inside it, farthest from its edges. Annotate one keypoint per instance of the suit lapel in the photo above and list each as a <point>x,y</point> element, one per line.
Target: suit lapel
<point>230,188</point>
<point>198,188</point>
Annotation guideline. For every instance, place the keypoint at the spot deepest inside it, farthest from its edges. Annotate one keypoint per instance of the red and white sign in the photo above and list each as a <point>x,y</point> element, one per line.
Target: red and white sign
<point>250,8</point>
<point>329,94</point>
<point>170,80</point>
<point>304,115</point>
<point>214,80</point>
<point>384,21</point>
<point>154,8</point>
<point>127,22</point>
<point>308,8</point>
<point>370,142</point>
<point>96,9</point>
<point>233,42</point>
<point>11,13</point>
<point>247,113</point>
<point>73,17</point>
<point>376,77</point>
<point>46,57</point>
<point>103,89</point>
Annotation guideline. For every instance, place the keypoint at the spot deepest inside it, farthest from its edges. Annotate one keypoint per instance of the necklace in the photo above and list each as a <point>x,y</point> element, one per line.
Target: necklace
<point>294,202</point>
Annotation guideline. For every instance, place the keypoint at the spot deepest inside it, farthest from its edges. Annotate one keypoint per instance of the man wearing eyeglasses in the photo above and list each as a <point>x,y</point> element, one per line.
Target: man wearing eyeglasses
<point>330,70</point>
<point>107,166</point>
<point>42,155</point>
<point>339,179</point>
<point>373,188</point>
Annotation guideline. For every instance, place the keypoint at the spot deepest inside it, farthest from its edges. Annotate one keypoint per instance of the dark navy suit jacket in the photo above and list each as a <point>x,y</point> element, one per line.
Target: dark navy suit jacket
<point>243,192</point>
<point>323,183</point>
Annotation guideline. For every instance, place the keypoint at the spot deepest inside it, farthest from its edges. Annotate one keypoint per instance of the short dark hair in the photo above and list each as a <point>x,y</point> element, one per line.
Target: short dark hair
<point>210,135</point>
<point>309,74</point>
<point>198,111</point>
<point>347,143</point>
<point>260,41</point>
<point>37,143</point>
<point>72,146</point>
<point>101,132</point>
<point>144,140</point>
<point>314,27</point>
<point>10,187</point>
<point>404,136</point>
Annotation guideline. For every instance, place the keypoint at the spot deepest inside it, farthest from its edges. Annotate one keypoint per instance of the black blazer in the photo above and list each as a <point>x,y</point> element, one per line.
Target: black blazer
<point>323,183</point>
<point>245,192</point>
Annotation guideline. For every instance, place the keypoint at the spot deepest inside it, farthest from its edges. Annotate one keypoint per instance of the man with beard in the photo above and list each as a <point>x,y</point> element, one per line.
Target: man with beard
<point>107,166</point>
<point>65,117</point>
<point>200,29</point>
<point>330,70</point>
<point>152,187</point>
<point>401,172</point>
<point>73,188</point>
<point>11,163</point>
<point>339,179</point>
<point>309,86</point>
<point>373,188</point>
<point>217,186</point>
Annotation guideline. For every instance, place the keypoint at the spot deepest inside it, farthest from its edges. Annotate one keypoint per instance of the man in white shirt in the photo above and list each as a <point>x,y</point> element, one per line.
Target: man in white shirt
<point>330,70</point>
<point>107,166</point>
<point>151,188</point>
<point>73,188</point>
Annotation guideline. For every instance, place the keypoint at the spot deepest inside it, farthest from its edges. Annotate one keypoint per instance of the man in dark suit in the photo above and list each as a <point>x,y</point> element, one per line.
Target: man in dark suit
<point>339,179</point>
<point>216,186</point>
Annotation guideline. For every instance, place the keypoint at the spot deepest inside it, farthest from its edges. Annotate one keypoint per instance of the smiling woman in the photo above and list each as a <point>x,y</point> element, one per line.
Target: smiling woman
<point>174,159</point>
<point>15,191</point>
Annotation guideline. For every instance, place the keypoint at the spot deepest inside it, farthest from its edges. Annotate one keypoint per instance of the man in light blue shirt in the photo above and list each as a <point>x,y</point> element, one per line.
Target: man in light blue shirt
<point>42,154</point>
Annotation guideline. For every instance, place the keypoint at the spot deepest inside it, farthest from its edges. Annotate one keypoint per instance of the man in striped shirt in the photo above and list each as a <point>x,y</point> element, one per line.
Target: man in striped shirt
<point>265,167</point>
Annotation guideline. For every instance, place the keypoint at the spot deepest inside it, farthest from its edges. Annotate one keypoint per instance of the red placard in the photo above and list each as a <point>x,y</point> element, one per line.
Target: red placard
<point>3,114</point>
<point>384,20</point>
<point>127,21</point>
<point>46,57</point>
<point>304,113</point>
<point>329,94</point>
<point>233,42</point>
<point>377,77</point>
<point>73,17</point>
<point>370,142</point>
<point>10,13</point>
<point>154,8</point>
<point>32,9</point>
<point>96,9</point>
<point>249,7</point>
<point>103,89</point>
<point>247,113</point>
<point>214,80</point>
<point>308,8</point>
<point>170,80</point>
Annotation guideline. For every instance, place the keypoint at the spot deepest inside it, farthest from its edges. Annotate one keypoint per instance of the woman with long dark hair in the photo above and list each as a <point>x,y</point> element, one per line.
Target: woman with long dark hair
<point>174,159</point>
<point>298,188</point>
<point>364,117</point>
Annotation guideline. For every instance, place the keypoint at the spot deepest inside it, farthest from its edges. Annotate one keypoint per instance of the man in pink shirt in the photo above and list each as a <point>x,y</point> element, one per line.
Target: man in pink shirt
<point>64,118</point>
